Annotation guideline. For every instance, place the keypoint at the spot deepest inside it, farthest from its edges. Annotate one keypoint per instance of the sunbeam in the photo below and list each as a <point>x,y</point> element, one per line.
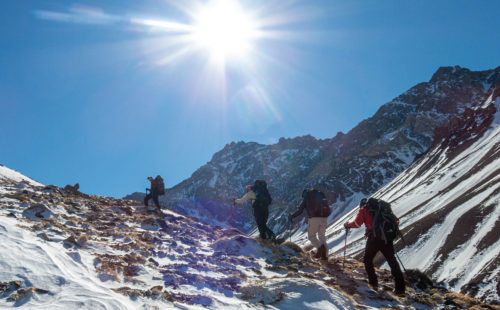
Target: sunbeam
<point>224,29</point>
<point>227,44</point>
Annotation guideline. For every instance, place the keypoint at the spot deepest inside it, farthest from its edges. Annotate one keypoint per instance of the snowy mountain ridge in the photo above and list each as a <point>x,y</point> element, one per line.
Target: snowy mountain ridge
<point>12,175</point>
<point>446,115</point>
<point>346,167</point>
<point>449,205</point>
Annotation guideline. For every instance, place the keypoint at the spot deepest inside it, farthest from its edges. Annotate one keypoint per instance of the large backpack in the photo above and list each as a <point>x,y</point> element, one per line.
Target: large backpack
<point>160,185</point>
<point>262,197</point>
<point>316,204</point>
<point>384,222</point>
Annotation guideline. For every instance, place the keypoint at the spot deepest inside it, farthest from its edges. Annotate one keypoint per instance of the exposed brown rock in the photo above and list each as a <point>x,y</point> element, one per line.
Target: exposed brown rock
<point>10,286</point>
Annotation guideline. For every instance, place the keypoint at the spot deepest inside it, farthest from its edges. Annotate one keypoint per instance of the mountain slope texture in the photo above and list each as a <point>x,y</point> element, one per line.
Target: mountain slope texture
<point>69,250</point>
<point>446,129</point>
<point>346,167</point>
<point>449,204</point>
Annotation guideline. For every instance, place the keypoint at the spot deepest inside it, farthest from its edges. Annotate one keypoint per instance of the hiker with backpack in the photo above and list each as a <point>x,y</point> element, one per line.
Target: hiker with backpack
<point>261,199</point>
<point>381,229</point>
<point>318,210</point>
<point>157,188</point>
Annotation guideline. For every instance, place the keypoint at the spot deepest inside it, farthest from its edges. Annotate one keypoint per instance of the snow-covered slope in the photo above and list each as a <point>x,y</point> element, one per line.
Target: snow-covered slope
<point>59,278</point>
<point>68,250</point>
<point>449,205</point>
<point>9,175</point>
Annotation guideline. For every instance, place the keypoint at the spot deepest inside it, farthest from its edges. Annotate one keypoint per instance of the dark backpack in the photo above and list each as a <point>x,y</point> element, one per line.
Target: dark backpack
<point>316,204</point>
<point>262,197</point>
<point>160,185</point>
<point>384,222</point>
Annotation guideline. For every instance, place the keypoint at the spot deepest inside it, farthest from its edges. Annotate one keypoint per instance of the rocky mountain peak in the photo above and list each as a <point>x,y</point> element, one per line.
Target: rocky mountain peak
<point>345,167</point>
<point>448,73</point>
<point>457,73</point>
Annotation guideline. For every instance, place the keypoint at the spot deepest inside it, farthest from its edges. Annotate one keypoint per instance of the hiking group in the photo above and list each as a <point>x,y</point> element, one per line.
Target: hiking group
<point>382,226</point>
<point>313,201</point>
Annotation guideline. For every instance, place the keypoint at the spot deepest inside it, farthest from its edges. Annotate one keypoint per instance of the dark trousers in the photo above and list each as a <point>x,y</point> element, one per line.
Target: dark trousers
<point>153,195</point>
<point>373,245</point>
<point>261,216</point>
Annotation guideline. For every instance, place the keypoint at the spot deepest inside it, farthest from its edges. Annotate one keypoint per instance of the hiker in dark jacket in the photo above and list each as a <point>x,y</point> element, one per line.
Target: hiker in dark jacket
<point>375,244</point>
<point>260,198</point>
<point>153,193</point>
<point>316,223</point>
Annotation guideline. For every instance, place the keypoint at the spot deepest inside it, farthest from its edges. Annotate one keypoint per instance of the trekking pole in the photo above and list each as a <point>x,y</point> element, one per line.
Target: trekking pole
<point>345,246</point>
<point>397,256</point>
<point>402,238</point>
<point>231,220</point>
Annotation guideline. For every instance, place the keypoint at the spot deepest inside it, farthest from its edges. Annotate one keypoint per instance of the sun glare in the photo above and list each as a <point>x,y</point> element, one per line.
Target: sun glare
<point>224,29</point>
<point>228,48</point>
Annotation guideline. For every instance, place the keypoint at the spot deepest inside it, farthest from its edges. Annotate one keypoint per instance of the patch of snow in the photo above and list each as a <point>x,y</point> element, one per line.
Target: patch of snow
<point>214,179</point>
<point>496,121</point>
<point>67,276</point>
<point>295,293</point>
<point>9,174</point>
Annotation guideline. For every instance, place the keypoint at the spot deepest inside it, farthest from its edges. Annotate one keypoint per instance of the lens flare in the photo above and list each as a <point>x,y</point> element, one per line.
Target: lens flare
<point>223,28</point>
<point>232,51</point>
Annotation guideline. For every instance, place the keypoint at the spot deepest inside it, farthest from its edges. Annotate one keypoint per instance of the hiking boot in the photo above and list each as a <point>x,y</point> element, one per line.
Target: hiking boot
<point>399,293</point>
<point>373,286</point>
<point>318,253</point>
<point>324,253</point>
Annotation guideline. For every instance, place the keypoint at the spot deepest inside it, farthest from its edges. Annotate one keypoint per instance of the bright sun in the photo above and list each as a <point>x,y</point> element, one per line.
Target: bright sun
<point>223,28</point>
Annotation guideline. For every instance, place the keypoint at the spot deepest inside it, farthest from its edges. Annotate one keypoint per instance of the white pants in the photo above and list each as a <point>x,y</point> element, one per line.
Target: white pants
<point>316,228</point>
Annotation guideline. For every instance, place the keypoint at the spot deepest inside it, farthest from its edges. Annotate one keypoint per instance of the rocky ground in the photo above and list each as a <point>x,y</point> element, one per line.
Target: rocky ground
<point>158,260</point>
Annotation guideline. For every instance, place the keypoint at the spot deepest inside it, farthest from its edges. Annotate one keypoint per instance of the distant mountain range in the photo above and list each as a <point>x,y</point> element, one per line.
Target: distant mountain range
<point>346,167</point>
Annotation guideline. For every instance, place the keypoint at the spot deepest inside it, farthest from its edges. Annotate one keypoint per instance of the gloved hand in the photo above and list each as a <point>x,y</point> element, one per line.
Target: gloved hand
<point>346,225</point>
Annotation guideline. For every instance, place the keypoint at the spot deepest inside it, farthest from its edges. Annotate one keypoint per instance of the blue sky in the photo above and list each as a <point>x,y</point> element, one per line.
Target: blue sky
<point>104,94</point>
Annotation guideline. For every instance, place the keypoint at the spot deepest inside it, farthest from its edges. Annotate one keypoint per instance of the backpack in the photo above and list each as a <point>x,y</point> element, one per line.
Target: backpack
<point>160,185</point>
<point>384,222</point>
<point>316,204</point>
<point>262,197</point>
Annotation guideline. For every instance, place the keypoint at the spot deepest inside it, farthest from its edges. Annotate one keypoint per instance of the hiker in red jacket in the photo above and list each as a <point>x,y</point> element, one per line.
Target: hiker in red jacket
<point>375,244</point>
<point>153,193</point>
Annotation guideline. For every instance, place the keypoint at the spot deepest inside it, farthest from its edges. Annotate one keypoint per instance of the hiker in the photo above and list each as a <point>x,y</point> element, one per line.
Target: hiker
<point>378,241</point>
<point>157,188</point>
<point>317,209</point>
<point>261,199</point>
